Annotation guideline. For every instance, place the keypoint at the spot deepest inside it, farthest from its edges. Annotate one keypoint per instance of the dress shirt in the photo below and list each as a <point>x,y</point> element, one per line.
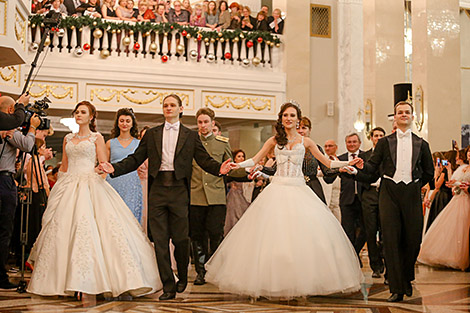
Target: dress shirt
<point>170,138</point>
<point>404,157</point>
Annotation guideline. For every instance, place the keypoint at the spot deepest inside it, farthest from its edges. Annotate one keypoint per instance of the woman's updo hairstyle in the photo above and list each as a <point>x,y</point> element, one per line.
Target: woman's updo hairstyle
<point>92,111</point>
<point>281,135</point>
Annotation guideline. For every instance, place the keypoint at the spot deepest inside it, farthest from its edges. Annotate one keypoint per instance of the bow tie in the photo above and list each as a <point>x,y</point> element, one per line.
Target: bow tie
<point>169,126</point>
<point>403,135</point>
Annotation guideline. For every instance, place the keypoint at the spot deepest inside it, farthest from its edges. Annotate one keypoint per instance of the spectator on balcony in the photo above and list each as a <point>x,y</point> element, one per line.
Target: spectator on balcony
<point>276,22</point>
<point>187,6</point>
<point>145,13</point>
<point>71,5</point>
<point>59,7</point>
<point>178,15</point>
<point>205,6</point>
<point>160,16</point>
<point>248,21</point>
<point>224,16</point>
<point>261,22</point>
<point>212,18</point>
<point>92,8</point>
<point>198,18</point>
<point>123,12</point>
<point>265,9</point>
<point>107,10</point>
<point>235,16</point>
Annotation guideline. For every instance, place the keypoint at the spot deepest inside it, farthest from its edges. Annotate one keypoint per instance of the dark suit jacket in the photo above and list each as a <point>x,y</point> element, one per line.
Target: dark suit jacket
<point>384,159</point>
<point>280,25</point>
<point>346,196</point>
<point>366,178</point>
<point>252,22</point>
<point>70,7</point>
<point>188,146</point>
<point>261,25</point>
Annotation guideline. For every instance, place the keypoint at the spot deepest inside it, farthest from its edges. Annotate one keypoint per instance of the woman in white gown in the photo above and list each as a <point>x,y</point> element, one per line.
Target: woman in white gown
<point>90,241</point>
<point>288,243</point>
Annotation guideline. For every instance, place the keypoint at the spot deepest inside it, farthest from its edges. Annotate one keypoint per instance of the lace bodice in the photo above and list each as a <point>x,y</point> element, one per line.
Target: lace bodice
<point>81,156</point>
<point>289,162</point>
<point>461,175</point>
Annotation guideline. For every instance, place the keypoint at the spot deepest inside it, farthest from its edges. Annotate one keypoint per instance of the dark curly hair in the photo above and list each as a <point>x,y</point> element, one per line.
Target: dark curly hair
<point>126,112</point>
<point>92,111</point>
<point>281,135</point>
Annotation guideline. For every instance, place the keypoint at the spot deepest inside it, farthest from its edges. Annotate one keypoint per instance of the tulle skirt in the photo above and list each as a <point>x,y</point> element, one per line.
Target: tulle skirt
<point>446,243</point>
<point>287,244</point>
<point>90,242</point>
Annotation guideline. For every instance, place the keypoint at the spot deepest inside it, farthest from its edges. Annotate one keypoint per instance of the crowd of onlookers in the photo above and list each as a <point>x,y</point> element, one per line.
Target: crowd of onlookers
<point>212,14</point>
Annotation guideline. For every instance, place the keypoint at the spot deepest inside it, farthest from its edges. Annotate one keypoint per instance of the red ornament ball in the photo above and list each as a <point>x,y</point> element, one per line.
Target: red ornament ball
<point>184,33</point>
<point>86,47</point>
<point>249,44</point>
<point>199,38</point>
<point>164,58</point>
<point>260,40</point>
<point>136,46</point>
<point>228,55</point>
<point>171,26</point>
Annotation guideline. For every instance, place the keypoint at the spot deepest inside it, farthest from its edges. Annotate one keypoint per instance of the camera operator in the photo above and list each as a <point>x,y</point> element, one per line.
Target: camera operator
<point>14,117</point>
<point>11,141</point>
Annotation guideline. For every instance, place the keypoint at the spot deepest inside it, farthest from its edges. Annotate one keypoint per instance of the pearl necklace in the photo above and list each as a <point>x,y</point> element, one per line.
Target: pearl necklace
<point>82,137</point>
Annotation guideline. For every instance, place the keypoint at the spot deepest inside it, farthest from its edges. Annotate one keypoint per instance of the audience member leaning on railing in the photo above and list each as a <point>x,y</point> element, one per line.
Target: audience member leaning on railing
<point>215,15</point>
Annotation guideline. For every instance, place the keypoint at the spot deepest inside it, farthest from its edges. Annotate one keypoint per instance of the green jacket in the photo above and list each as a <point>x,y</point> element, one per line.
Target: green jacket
<point>207,189</point>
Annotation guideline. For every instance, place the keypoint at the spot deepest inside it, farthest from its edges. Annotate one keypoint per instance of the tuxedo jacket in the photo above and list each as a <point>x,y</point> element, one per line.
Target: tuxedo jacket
<point>188,147</point>
<point>70,7</point>
<point>348,184</point>
<point>367,178</point>
<point>384,159</point>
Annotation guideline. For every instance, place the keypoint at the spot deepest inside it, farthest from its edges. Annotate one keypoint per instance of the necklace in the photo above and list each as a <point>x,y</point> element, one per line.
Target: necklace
<point>125,139</point>
<point>293,139</point>
<point>82,137</point>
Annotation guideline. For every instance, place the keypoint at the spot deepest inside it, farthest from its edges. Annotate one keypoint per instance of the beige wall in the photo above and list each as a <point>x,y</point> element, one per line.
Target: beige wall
<point>465,66</point>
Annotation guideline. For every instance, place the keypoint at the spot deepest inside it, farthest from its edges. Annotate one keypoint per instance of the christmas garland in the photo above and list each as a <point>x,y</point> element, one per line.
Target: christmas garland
<point>145,28</point>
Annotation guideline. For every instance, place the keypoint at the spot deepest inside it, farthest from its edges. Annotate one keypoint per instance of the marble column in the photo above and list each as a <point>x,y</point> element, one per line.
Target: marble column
<point>350,66</point>
<point>436,69</point>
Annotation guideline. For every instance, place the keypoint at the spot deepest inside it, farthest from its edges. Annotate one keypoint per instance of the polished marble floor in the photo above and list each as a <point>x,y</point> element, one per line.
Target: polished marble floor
<point>435,290</point>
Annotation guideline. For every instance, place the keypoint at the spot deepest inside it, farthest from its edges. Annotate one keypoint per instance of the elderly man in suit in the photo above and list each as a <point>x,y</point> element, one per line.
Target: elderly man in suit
<point>404,162</point>
<point>170,149</point>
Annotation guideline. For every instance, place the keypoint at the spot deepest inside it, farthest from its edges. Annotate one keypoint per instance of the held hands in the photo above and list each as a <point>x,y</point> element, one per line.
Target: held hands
<point>357,162</point>
<point>227,166</point>
<point>105,167</point>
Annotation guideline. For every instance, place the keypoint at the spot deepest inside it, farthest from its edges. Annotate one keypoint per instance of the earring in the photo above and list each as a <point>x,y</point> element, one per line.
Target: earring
<point>298,125</point>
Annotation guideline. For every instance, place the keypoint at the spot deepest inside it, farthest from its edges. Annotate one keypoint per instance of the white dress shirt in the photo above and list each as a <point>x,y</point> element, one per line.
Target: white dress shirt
<point>404,157</point>
<point>350,158</point>
<point>169,140</point>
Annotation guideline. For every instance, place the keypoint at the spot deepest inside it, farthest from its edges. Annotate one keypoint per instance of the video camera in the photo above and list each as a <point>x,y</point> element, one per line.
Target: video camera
<point>38,107</point>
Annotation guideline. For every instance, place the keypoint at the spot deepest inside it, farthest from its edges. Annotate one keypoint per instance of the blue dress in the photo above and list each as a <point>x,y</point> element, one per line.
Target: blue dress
<point>128,186</point>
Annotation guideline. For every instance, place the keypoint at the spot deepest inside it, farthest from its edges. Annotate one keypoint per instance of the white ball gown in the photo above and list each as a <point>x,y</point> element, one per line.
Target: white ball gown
<point>287,244</point>
<point>90,241</point>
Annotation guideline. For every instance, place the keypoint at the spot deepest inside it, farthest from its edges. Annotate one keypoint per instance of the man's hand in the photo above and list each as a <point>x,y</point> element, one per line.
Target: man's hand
<point>7,133</point>
<point>106,167</point>
<point>227,166</point>
<point>48,154</point>
<point>358,162</point>
<point>35,121</point>
<point>24,98</point>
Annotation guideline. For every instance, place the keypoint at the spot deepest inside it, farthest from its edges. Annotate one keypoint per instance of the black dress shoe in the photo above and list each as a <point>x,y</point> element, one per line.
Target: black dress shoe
<point>7,285</point>
<point>395,297</point>
<point>181,286</point>
<point>408,289</point>
<point>199,280</point>
<point>376,274</point>
<point>167,296</point>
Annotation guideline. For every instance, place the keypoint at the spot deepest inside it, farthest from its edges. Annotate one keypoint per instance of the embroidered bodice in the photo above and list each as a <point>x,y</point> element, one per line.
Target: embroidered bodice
<point>81,156</point>
<point>461,175</point>
<point>289,162</point>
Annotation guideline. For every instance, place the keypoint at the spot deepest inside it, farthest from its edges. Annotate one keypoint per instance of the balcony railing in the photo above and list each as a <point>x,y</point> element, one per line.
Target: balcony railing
<point>161,42</point>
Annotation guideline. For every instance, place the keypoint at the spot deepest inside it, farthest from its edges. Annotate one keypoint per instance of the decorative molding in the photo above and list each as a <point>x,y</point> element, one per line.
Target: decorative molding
<point>58,90</point>
<point>418,103</point>
<point>20,28</point>
<point>7,77</point>
<point>141,96</point>
<point>242,102</point>
<point>464,4</point>
<point>4,10</point>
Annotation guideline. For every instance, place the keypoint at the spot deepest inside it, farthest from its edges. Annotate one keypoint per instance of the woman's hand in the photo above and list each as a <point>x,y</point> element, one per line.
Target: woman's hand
<point>357,162</point>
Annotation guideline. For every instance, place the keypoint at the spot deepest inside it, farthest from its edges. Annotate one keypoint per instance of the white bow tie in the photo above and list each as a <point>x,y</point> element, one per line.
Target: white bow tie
<point>169,126</point>
<point>404,135</point>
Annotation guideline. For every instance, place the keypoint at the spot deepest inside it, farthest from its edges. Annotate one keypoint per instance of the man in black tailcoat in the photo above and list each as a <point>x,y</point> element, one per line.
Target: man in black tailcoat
<point>170,149</point>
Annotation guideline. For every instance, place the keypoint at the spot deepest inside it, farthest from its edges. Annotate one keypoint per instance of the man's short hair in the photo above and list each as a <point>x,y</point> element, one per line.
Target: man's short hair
<point>402,103</point>
<point>176,97</point>
<point>206,111</point>
<point>379,129</point>
<point>352,135</point>
<point>218,125</point>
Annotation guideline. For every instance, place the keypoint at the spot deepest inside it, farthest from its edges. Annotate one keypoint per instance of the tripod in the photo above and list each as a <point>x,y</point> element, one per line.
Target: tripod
<point>26,201</point>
